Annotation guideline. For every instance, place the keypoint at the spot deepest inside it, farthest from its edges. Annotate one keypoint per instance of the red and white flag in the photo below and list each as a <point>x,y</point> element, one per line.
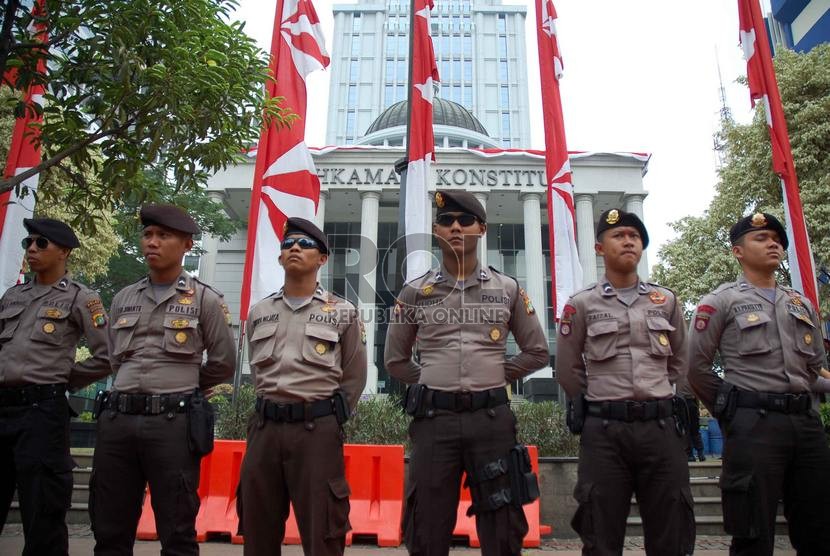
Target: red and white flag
<point>565,271</point>
<point>421,144</point>
<point>24,154</point>
<point>763,86</point>
<point>285,180</point>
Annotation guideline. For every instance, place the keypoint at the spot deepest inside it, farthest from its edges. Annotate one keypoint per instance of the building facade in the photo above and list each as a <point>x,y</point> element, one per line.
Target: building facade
<point>480,52</point>
<point>799,24</point>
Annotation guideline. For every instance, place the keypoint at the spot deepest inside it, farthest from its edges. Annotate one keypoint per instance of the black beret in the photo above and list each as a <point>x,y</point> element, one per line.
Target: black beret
<point>459,201</point>
<point>614,218</point>
<point>55,231</point>
<point>296,225</point>
<point>168,216</point>
<point>758,221</point>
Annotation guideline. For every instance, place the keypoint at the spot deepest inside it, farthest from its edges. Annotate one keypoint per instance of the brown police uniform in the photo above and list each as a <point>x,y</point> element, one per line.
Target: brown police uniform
<point>462,420</point>
<point>774,446</point>
<point>624,356</point>
<point>302,359</point>
<point>40,326</point>
<point>157,351</point>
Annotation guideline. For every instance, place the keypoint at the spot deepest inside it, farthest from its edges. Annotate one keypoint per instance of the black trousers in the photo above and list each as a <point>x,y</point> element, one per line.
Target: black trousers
<point>132,451</point>
<point>443,447</point>
<point>290,463</point>
<point>647,458</point>
<point>695,441</point>
<point>767,457</point>
<point>34,459</point>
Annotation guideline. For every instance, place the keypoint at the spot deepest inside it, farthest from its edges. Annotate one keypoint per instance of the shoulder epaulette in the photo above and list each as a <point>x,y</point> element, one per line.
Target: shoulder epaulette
<point>408,282</point>
<point>725,286</point>
<point>208,286</point>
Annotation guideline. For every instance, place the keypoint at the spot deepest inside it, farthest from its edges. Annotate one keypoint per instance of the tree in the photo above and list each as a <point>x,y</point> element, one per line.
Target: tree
<point>699,258</point>
<point>170,87</point>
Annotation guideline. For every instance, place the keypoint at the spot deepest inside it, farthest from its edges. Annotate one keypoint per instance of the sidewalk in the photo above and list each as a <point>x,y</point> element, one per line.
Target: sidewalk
<point>81,543</point>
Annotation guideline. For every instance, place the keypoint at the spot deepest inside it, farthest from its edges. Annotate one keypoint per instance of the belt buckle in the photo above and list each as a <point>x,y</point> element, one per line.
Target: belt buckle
<point>464,401</point>
<point>283,412</point>
<point>153,404</point>
<point>634,410</point>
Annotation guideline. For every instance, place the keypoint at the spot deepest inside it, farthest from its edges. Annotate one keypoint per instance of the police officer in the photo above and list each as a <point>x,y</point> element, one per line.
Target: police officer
<point>308,361</point>
<point>621,348</point>
<point>161,327</point>
<point>41,322</point>
<point>769,340</point>
<point>460,315</point>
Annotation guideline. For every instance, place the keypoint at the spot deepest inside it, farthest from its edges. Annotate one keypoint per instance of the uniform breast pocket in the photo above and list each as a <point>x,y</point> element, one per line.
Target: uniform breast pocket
<point>806,338</point>
<point>123,330</point>
<point>752,333</point>
<point>261,344</point>
<point>181,335</point>
<point>658,333</point>
<point>319,344</point>
<point>495,325</point>
<point>601,343</point>
<point>10,318</point>
<point>50,326</point>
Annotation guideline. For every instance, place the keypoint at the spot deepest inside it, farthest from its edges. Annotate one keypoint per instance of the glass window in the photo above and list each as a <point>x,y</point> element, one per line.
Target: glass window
<point>468,97</point>
<point>456,93</point>
<point>502,47</point>
<point>389,95</point>
<point>444,70</point>
<point>456,24</point>
<point>505,96</point>
<point>468,70</point>
<point>390,70</point>
<point>445,89</point>
<point>356,23</point>
<point>351,101</point>
<point>505,143</point>
<point>465,6</point>
<point>456,70</point>
<point>445,24</point>
<point>403,69</point>
<point>503,76</point>
<point>403,46</point>
<point>468,46</point>
<point>350,122</point>
<point>401,93</point>
<point>355,46</point>
<point>354,71</point>
<point>505,124</point>
<point>466,24</point>
<point>501,24</point>
<point>391,45</point>
<point>434,26</point>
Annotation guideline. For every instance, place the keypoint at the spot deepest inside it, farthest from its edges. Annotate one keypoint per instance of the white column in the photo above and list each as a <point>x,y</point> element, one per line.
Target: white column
<point>535,265</point>
<point>320,217</point>
<point>370,207</point>
<point>585,237</point>
<point>482,243</point>
<point>210,246</point>
<point>634,204</point>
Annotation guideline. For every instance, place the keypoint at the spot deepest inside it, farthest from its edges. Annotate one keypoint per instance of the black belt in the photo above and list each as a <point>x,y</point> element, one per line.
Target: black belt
<point>782,403</point>
<point>29,394</point>
<point>294,412</point>
<point>629,410</point>
<point>466,401</point>
<point>146,404</point>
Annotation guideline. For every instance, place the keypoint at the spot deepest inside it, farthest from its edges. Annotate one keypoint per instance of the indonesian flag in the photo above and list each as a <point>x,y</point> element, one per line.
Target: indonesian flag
<point>763,86</point>
<point>24,154</point>
<point>421,144</point>
<point>285,180</point>
<point>565,271</point>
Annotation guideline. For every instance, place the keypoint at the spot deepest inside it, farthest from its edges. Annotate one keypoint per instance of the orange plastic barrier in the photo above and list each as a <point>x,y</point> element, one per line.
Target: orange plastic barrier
<point>217,491</point>
<point>146,530</point>
<point>466,526</point>
<point>375,476</point>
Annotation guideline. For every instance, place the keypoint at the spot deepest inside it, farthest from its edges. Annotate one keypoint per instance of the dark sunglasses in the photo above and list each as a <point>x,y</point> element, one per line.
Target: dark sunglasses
<point>447,219</point>
<point>303,242</point>
<point>41,242</point>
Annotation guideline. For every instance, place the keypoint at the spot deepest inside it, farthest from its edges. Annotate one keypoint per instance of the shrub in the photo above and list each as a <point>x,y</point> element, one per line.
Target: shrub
<point>542,425</point>
<point>232,416</point>
<point>378,420</point>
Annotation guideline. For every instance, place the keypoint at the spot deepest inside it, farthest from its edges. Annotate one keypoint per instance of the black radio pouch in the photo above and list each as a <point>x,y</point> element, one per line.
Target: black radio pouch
<point>575,416</point>
<point>523,482</point>
<point>414,403</point>
<point>200,422</point>
<point>726,402</point>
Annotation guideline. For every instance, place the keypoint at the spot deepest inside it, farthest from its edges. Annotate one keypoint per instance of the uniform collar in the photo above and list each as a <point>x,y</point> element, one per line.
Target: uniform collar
<point>746,285</point>
<point>319,293</point>
<point>184,283</point>
<point>62,284</point>
<point>609,290</point>
<point>441,275</point>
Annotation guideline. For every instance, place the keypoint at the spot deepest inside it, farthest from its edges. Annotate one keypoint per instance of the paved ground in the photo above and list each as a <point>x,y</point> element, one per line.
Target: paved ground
<point>81,543</point>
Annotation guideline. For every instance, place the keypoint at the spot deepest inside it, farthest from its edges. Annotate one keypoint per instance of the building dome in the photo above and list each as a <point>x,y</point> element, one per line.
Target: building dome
<point>444,112</point>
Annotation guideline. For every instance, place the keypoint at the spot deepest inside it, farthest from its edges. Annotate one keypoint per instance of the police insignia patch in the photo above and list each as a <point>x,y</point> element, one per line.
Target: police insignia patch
<point>808,338</point>
<point>181,337</point>
<point>495,334</point>
<point>528,305</point>
<point>427,290</point>
<point>180,323</point>
<point>320,348</point>
<point>53,313</point>
<point>564,329</point>
<point>362,331</point>
<point>439,200</point>
<point>656,297</point>
<point>758,220</point>
<point>613,217</point>
<point>185,301</point>
<point>227,313</point>
<point>99,320</point>
<point>663,339</point>
<point>49,327</point>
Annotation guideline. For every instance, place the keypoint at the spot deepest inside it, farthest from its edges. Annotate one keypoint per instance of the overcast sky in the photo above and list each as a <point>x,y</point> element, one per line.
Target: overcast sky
<point>640,75</point>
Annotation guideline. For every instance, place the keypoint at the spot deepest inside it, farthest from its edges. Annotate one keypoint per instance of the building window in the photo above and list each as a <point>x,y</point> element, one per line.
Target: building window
<point>356,23</point>
<point>389,95</point>
<point>467,41</point>
<point>503,76</point>
<point>505,96</point>
<point>390,70</point>
<point>468,70</point>
<point>391,45</point>
<point>403,69</point>
<point>350,123</point>
<point>468,97</point>
<point>403,46</point>
<point>501,24</point>
<point>456,70</point>
<point>502,46</point>
<point>505,124</point>
<point>351,100</point>
<point>355,46</point>
<point>354,71</point>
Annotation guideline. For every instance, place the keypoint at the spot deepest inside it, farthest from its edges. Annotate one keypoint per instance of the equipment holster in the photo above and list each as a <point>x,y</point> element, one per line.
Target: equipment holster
<point>200,422</point>
<point>726,402</point>
<point>524,485</point>
<point>575,415</point>
<point>100,399</point>
<point>681,415</point>
<point>414,402</point>
<point>341,406</point>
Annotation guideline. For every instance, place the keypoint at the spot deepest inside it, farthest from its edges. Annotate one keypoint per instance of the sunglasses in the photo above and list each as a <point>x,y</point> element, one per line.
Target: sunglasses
<point>447,219</point>
<point>41,242</point>
<point>303,242</point>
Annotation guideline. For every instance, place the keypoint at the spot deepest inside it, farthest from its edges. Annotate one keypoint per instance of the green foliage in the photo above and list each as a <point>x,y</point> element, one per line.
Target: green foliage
<point>232,415</point>
<point>138,88</point>
<point>378,420</point>
<point>86,417</point>
<point>699,258</point>
<point>543,425</point>
<point>824,412</point>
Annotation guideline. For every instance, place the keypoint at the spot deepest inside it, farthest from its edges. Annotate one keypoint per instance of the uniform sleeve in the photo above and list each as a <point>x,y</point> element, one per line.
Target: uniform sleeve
<point>705,332</point>
<point>94,322</point>
<point>678,362</point>
<point>217,336</point>
<point>526,328</point>
<point>354,362</point>
<point>570,343</point>
<point>115,364</point>
<point>400,340</point>
<point>816,363</point>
